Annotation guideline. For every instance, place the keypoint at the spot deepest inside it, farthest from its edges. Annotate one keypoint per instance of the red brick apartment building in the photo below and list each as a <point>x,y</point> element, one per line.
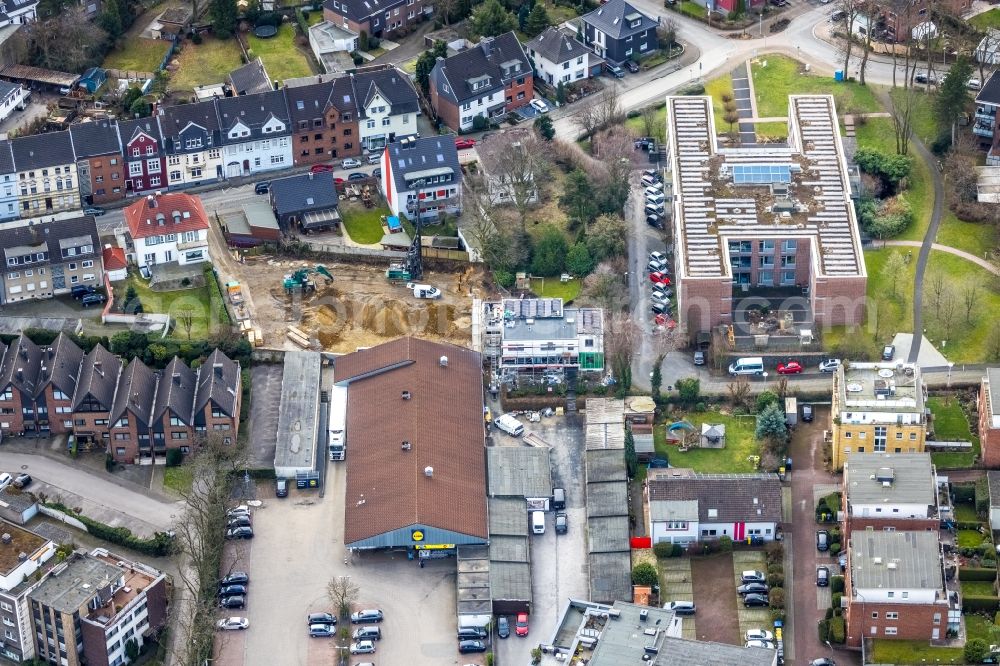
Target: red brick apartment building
<point>376,18</point>
<point>989,417</point>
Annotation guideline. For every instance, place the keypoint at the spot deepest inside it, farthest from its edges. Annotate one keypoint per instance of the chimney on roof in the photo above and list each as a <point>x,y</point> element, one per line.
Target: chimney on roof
<point>98,369</point>
<point>150,201</point>
<point>20,374</point>
<point>406,395</point>
<point>443,361</point>
<point>311,174</point>
<point>22,557</point>
<point>429,472</point>
<point>406,446</point>
<point>177,378</point>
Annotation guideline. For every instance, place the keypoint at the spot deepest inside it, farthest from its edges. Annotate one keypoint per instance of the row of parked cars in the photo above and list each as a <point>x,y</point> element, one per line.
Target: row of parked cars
<point>324,625</point>
<point>20,481</point>
<point>239,524</point>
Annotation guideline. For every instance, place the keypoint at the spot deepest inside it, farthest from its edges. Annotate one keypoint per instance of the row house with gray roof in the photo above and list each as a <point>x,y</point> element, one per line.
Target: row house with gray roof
<point>37,385</point>
<point>100,165</point>
<point>9,208</point>
<point>143,154</point>
<point>45,259</point>
<point>617,31</point>
<point>192,141</point>
<point>324,121</point>
<point>387,107</point>
<point>46,173</point>
<point>255,133</point>
<point>383,19</point>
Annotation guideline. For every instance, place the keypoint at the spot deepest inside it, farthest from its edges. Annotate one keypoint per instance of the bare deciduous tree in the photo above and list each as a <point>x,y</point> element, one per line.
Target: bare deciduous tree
<point>971,290</point>
<point>516,167</point>
<point>185,317</point>
<point>850,10</point>
<point>605,287</point>
<point>993,345</point>
<point>65,42</point>
<point>650,124</point>
<point>901,108</point>
<point>893,271</point>
<point>949,308</point>
<point>868,8</point>
<point>343,592</point>
<point>936,283</point>
<point>740,393</point>
<point>622,337</point>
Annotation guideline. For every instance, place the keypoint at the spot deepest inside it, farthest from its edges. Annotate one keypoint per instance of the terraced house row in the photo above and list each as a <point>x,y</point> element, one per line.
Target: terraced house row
<point>107,160</point>
<point>136,413</point>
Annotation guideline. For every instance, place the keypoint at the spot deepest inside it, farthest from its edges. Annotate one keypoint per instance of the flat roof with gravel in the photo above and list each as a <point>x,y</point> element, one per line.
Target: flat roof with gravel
<point>890,478</point>
<point>895,561</point>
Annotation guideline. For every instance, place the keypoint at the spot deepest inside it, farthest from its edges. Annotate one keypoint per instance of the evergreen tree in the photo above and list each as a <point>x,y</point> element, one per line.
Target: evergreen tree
<point>544,127</point>
<point>426,61</point>
<point>577,199</point>
<point>223,15</point>
<point>538,20</point>
<point>491,19</point>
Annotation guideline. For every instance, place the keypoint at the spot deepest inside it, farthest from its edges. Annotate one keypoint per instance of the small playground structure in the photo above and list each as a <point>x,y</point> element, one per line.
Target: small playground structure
<point>713,435</point>
<point>682,434</point>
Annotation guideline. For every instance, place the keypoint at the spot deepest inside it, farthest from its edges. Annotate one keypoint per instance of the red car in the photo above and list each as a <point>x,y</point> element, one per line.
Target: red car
<point>790,368</point>
<point>521,625</point>
<point>321,168</point>
<point>659,278</point>
<point>462,144</point>
<point>664,320</point>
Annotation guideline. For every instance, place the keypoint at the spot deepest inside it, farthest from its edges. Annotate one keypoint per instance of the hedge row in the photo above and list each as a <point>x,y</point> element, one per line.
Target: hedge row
<point>963,492</point>
<point>975,604</point>
<point>962,525</point>
<point>158,546</point>
<point>838,630</point>
<point>976,573</point>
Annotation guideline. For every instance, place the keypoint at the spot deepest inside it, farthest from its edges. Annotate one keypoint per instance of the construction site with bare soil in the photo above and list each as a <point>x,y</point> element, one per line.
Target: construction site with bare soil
<point>293,303</point>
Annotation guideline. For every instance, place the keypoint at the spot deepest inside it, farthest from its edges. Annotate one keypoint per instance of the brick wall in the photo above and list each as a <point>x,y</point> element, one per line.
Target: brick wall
<point>914,621</point>
<point>861,523</point>
<point>513,89</point>
<point>839,301</point>
<point>447,112</point>
<point>11,417</point>
<point>107,177</point>
<point>704,303</point>
<point>57,420</point>
<point>988,437</point>
<point>92,427</point>
<point>331,142</point>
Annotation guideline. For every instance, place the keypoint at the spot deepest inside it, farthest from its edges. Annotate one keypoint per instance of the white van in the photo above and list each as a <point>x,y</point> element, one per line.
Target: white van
<point>509,425</point>
<point>538,522</point>
<point>751,365</point>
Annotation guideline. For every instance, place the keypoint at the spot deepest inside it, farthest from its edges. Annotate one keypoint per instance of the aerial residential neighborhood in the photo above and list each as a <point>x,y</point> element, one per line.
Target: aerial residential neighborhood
<point>499,333</point>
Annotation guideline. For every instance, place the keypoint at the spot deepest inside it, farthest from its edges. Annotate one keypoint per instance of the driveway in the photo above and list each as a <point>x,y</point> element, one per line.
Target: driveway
<point>114,503</point>
<point>297,549</point>
<point>809,603</point>
<point>717,616</point>
<point>558,562</point>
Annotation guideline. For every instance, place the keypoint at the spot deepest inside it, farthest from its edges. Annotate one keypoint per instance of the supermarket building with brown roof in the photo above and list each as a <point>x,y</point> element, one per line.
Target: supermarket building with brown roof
<point>416,460</point>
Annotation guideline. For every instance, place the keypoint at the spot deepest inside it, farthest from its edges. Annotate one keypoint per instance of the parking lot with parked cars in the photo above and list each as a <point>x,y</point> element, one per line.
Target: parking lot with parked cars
<point>296,551</point>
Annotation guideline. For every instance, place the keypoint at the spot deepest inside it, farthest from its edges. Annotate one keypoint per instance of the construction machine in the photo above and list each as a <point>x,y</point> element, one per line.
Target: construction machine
<point>299,281</point>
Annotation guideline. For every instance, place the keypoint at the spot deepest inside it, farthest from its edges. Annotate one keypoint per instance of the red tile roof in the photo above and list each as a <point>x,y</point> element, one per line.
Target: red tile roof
<point>180,212</point>
<point>114,259</point>
<point>443,423</point>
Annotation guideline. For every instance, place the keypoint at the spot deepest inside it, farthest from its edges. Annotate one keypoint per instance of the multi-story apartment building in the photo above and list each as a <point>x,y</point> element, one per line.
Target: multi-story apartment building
<point>387,106</point>
<point>56,384</point>
<point>488,80</point>
<point>421,178</point>
<point>877,408</point>
<point>94,398</point>
<point>99,161</point>
<point>24,555</point>
<point>746,218</point>
<point>131,434</point>
<point>9,208</point>
<point>168,228</point>
<point>989,417</point>
<point>890,491</point>
<point>539,334</point>
<point>43,259</point>
<point>255,133</point>
<point>376,18</point>
<point>324,121</point>
<point>46,173</point>
<point>192,141</point>
<point>143,152</point>
<point>985,128</point>
<point>90,607</point>
<point>895,588</point>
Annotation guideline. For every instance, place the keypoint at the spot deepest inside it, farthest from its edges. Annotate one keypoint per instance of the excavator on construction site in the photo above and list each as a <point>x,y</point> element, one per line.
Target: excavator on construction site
<point>299,281</point>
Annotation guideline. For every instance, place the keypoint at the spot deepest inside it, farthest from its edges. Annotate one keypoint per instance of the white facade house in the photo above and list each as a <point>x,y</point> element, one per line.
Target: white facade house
<point>14,12</point>
<point>19,638</point>
<point>255,133</point>
<point>243,159</point>
<point>890,486</point>
<point>685,506</point>
<point>423,178</point>
<point>558,58</point>
<point>379,123</point>
<point>13,97</point>
<point>168,228</point>
<point>388,106</point>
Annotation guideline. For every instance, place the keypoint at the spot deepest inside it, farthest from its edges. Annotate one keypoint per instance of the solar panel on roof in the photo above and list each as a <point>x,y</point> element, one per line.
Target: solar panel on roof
<point>755,174</point>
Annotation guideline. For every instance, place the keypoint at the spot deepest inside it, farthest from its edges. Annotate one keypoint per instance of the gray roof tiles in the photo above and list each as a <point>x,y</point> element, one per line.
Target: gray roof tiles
<point>453,74</point>
<point>6,157</point>
<point>62,361</point>
<point>392,84</point>
<point>98,378</point>
<point>724,497</point>
<point>253,112</point>
<point>218,379</point>
<point>136,392</point>
<point>175,392</point>
<point>610,18</point>
<point>43,150</point>
<point>51,236</point>
<point>98,137</point>
<point>21,366</point>
<point>423,154</point>
<point>990,92</point>
<point>303,193</point>
<point>250,78</point>
<point>556,46</point>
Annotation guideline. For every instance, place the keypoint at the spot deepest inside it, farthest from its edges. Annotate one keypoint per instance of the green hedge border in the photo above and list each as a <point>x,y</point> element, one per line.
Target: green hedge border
<point>160,545</point>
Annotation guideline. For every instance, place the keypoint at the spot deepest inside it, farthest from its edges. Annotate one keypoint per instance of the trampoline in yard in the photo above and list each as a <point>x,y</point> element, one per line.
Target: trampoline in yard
<point>265,31</point>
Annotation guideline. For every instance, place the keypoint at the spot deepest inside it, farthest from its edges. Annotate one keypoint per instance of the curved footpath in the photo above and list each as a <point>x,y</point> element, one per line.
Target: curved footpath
<point>968,256</point>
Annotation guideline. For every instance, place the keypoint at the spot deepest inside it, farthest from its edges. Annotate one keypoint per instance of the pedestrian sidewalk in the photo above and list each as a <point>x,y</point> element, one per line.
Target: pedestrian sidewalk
<point>968,256</point>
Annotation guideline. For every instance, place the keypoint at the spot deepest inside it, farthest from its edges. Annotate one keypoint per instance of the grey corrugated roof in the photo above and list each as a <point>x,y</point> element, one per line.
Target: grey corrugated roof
<point>21,366</point>
<point>252,111</point>
<point>509,548</point>
<point>994,480</point>
<point>913,478</point>
<point>609,18</point>
<point>508,516</point>
<point>555,46</point>
<point>416,155</point>
<point>607,499</point>
<point>175,391</point>
<point>62,365</point>
<point>610,576</point>
<point>706,653</point>
<point>218,381</point>
<point>608,534</point>
<point>250,78</point>
<point>452,74</point>
<point>302,193</point>
<point>606,465</point>
<point>136,392</point>
<point>97,137</point>
<point>98,378</point>
<point>42,150</point>
<point>516,471</point>
<point>993,375</point>
<point>724,497</point>
<point>909,561</point>
<point>643,443</point>
<point>510,581</point>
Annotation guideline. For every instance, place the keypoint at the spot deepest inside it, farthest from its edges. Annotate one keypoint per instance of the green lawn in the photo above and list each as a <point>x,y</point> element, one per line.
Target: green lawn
<point>179,478</point>
<point>771,131</point>
<point>977,588</point>
<point>972,237</point>
<point>896,311</point>
<point>966,513</point>
<point>732,459</point>
<point>979,626</point>
<point>208,62</point>
<point>877,133</point>
<point>888,651</point>
<point>205,320</point>
<point>969,538</point>
<point>638,126</point>
<point>989,19</point>
<point>967,338</point>
<point>553,288</point>
<point>950,425</point>
<point>363,225</point>
<point>922,118</point>
<point>281,57</point>
<point>137,55</point>
<point>784,76</point>
<point>692,9</point>
<point>717,88</point>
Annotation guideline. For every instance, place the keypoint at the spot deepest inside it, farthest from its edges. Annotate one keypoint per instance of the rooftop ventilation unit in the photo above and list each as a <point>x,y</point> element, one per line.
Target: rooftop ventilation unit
<point>406,446</point>
<point>406,395</point>
<point>643,615</point>
<point>429,472</point>
<point>885,474</point>
<point>443,361</point>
